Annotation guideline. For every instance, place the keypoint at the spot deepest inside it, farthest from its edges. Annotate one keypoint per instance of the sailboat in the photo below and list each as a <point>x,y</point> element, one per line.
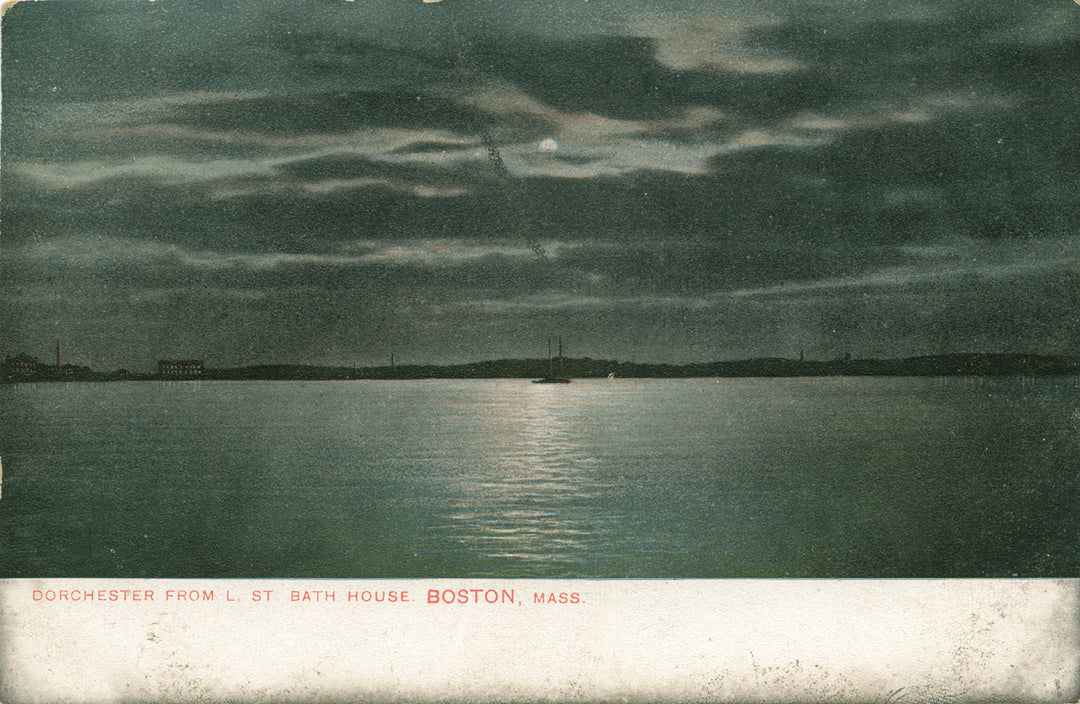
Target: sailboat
<point>551,378</point>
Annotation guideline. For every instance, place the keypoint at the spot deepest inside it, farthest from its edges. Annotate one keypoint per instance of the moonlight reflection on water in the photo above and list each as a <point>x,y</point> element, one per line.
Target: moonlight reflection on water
<point>837,477</point>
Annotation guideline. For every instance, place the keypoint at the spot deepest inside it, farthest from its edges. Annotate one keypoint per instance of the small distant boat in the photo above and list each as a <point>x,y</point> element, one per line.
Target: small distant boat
<point>551,378</point>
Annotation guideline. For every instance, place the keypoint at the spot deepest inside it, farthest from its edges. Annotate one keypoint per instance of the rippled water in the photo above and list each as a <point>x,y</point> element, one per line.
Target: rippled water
<point>637,478</point>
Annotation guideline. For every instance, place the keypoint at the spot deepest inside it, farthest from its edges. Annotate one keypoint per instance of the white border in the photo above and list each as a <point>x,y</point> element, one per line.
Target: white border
<point>892,641</point>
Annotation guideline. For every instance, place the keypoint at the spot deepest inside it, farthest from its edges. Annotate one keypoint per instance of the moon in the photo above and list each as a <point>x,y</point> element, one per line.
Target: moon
<point>548,145</point>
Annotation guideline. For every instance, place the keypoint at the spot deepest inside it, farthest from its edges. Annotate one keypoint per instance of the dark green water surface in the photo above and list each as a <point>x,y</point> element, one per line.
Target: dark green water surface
<point>838,477</point>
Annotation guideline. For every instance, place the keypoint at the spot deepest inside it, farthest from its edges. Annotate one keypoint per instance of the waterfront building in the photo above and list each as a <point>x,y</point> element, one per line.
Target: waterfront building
<point>180,368</point>
<point>22,367</point>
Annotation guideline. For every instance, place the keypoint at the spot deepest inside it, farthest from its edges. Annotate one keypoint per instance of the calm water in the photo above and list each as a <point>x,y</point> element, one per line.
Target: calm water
<point>606,478</point>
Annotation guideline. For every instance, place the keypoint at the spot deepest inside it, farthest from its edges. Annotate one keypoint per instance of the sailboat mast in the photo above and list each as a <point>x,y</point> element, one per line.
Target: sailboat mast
<point>551,377</point>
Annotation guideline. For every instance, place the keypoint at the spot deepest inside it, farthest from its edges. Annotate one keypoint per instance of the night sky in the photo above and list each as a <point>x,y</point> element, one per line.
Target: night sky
<point>307,182</point>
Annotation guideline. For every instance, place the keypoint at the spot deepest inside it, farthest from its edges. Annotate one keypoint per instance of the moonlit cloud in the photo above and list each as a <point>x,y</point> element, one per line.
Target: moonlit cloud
<point>384,144</point>
<point>83,117</point>
<point>592,145</point>
<point>90,252</point>
<point>333,186</point>
<point>419,190</point>
<point>167,169</point>
<point>952,262</point>
<point>720,43</point>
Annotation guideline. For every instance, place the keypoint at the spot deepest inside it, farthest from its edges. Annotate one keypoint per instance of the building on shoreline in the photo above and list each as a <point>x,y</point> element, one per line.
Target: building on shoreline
<point>24,367</point>
<point>181,368</point>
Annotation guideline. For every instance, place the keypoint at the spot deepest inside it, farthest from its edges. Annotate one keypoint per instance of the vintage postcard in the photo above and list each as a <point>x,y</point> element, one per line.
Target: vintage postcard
<point>461,350</point>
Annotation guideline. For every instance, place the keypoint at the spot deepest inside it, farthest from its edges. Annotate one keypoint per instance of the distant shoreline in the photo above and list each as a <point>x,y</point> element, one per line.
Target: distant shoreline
<point>949,365</point>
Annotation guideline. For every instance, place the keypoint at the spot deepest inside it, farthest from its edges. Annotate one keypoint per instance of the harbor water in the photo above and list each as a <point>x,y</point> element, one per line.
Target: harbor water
<point>815,477</point>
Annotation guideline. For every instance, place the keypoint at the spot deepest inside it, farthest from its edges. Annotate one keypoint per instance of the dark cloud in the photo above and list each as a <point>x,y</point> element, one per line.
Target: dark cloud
<point>613,76</point>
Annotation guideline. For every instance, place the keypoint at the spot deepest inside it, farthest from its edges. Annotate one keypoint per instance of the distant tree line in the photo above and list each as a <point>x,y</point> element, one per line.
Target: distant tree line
<point>22,368</point>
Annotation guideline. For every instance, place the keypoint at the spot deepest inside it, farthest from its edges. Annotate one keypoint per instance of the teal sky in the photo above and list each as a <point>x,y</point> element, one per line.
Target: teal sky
<point>298,181</point>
